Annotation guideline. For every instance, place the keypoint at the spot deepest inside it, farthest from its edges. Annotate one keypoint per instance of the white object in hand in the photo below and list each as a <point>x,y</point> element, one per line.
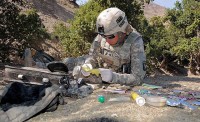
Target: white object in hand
<point>80,71</point>
<point>85,69</point>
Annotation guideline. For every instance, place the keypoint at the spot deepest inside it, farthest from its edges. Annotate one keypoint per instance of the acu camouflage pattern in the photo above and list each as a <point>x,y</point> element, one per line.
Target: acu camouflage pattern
<point>103,55</point>
<point>113,57</point>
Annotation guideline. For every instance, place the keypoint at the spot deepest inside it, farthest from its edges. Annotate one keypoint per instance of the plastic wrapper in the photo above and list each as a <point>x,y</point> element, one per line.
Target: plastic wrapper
<point>187,105</point>
<point>173,102</point>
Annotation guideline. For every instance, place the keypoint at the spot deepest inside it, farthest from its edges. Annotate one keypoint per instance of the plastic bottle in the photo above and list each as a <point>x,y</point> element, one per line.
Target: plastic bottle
<point>28,58</point>
<point>139,100</point>
<point>155,100</point>
<point>118,99</point>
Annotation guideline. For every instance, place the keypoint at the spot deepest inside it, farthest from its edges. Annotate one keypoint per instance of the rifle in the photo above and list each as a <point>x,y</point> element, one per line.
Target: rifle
<point>124,68</point>
<point>108,59</point>
<point>69,86</point>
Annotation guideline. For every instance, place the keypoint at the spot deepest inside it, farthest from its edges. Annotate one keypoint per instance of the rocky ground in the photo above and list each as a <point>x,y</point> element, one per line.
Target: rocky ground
<point>90,110</point>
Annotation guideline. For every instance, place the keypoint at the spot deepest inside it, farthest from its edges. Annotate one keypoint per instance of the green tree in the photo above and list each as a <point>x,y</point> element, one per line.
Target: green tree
<point>18,30</point>
<point>82,30</point>
<point>185,18</point>
<point>157,49</point>
<point>175,39</point>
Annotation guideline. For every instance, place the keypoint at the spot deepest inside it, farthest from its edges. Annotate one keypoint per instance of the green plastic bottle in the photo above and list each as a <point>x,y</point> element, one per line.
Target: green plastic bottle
<point>101,98</point>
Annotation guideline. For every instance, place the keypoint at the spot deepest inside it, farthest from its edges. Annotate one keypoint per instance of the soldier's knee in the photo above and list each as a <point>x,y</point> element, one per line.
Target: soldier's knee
<point>137,82</point>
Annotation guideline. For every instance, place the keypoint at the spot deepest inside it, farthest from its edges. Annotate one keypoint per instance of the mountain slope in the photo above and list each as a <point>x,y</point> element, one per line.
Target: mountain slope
<point>54,11</point>
<point>152,9</point>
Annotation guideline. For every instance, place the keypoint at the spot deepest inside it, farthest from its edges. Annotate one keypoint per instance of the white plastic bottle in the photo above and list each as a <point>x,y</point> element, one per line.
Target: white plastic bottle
<point>156,100</point>
<point>118,99</point>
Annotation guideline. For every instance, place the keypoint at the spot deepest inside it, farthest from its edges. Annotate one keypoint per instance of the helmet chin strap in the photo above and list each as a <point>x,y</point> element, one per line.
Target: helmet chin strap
<point>121,39</point>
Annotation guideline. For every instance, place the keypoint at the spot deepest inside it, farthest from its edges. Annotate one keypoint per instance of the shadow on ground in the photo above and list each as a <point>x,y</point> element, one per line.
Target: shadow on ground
<point>171,81</point>
<point>178,115</point>
<point>173,78</point>
<point>102,119</point>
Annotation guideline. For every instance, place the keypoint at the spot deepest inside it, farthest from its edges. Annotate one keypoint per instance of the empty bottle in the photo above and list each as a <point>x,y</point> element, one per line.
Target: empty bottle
<point>155,100</point>
<point>118,99</point>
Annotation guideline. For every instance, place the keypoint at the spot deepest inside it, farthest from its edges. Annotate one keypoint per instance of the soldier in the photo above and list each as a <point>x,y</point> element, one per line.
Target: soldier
<point>117,51</point>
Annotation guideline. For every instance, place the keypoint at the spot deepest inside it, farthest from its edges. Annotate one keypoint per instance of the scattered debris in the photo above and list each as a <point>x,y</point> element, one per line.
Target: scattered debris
<point>120,98</point>
<point>116,91</point>
<point>156,101</point>
<point>156,96</point>
<point>114,115</point>
<point>139,100</point>
<point>151,86</point>
<point>101,98</point>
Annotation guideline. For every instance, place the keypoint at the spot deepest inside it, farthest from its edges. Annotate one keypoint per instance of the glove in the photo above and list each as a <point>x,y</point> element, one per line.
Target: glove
<point>86,70</point>
<point>106,74</point>
<point>86,67</point>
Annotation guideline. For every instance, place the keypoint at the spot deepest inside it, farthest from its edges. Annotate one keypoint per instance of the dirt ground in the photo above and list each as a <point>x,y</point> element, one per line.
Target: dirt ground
<point>89,109</point>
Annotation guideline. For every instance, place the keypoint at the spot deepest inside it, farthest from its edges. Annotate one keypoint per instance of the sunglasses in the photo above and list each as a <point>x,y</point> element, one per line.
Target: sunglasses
<point>109,36</point>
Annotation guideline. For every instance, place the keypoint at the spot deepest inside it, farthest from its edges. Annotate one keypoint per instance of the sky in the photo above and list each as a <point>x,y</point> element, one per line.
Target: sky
<point>165,3</point>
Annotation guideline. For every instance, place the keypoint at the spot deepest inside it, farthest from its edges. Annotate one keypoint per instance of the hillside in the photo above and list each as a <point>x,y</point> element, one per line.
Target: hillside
<point>55,11</point>
<point>152,9</point>
<point>51,13</point>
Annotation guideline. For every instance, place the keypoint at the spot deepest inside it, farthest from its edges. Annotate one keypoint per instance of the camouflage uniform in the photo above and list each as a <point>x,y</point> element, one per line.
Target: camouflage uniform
<point>127,60</point>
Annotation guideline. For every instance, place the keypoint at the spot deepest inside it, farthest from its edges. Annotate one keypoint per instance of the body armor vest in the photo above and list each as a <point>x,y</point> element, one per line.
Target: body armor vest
<point>116,58</point>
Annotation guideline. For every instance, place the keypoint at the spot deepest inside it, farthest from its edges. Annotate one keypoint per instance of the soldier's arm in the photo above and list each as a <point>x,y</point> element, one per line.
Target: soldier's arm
<point>71,62</point>
<point>138,68</point>
<point>93,52</point>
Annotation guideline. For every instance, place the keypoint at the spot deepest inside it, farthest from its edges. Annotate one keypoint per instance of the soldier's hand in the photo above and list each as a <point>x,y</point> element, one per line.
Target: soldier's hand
<point>85,69</point>
<point>81,71</point>
<point>106,74</point>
